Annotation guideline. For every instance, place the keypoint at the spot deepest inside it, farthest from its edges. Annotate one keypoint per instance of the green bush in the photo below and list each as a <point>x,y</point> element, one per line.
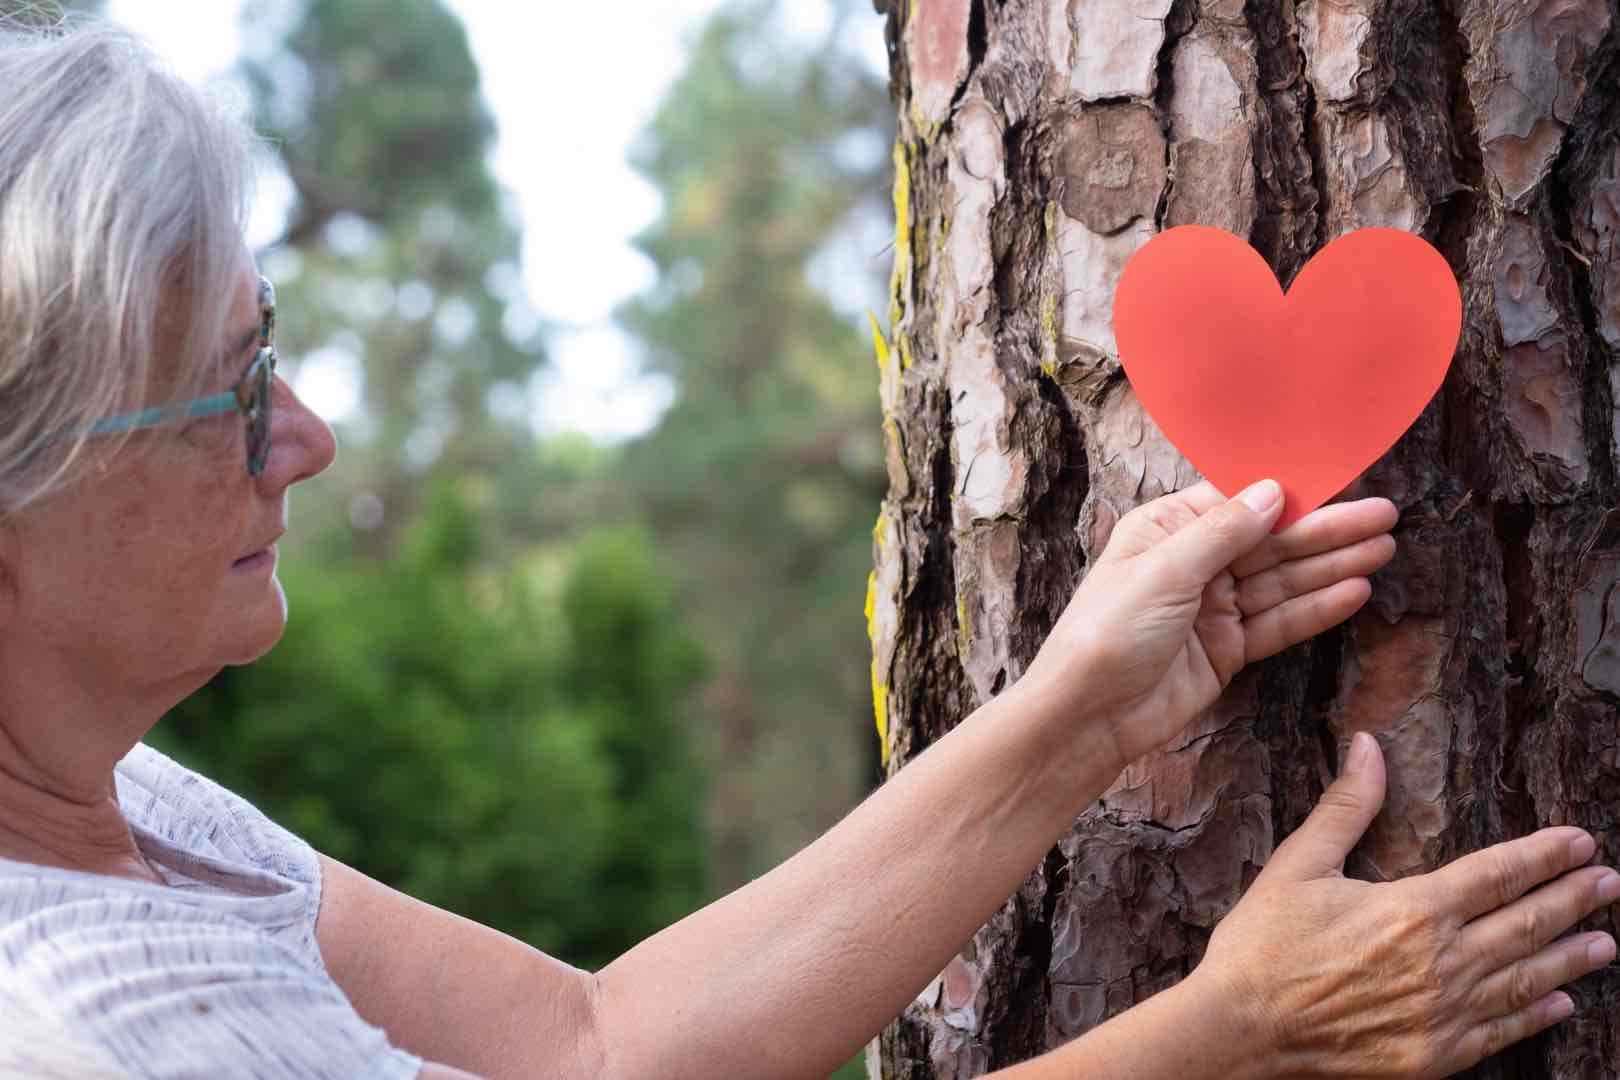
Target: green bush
<point>506,743</point>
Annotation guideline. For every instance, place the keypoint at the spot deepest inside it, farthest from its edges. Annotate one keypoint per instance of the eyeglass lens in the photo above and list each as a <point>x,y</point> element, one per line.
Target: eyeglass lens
<point>259,377</point>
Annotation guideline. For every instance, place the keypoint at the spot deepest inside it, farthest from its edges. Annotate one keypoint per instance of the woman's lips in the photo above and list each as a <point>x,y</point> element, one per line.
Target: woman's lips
<point>256,561</point>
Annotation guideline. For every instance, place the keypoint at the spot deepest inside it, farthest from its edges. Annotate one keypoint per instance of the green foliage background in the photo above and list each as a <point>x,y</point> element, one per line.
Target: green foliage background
<point>503,742</point>
<point>763,480</point>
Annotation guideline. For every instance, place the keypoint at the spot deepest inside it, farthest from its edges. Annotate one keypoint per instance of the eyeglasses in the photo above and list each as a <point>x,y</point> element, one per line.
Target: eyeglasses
<point>250,396</point>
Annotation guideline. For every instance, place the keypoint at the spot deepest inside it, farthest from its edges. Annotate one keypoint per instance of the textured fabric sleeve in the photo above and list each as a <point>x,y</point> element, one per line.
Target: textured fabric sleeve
<point>192,812</point>
<point>167,991</point>
<point>195,814</point>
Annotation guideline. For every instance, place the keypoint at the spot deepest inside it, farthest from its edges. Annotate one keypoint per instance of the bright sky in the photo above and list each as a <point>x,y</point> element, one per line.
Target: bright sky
<point>565,121</point>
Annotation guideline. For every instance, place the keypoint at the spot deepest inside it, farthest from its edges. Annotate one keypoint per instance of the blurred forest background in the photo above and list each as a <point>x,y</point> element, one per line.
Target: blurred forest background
<point>567,688</point>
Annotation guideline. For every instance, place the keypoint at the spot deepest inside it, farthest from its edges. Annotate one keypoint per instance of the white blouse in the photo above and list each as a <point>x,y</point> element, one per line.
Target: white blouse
<point>215,974</point>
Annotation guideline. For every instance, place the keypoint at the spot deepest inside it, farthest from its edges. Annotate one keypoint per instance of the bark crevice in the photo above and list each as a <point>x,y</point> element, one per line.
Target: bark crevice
<point>1512,524</point>
<point>1313,147</point>
<point>977,42</point>
<point>1325,660</point>
<point>978,37</point>
<point>933,593</point>
<point>1456,216</point>
<point>1178,23</point>
<point>1288,180</point>
<point>1593,131</point>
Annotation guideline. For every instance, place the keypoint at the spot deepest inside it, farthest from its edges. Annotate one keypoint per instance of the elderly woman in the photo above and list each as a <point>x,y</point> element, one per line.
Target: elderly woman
<point>153,922</point>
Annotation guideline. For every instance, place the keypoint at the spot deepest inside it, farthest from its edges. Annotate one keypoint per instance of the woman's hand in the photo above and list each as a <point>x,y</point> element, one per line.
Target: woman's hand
<point>1189,589</point>
<point>1419,977</point>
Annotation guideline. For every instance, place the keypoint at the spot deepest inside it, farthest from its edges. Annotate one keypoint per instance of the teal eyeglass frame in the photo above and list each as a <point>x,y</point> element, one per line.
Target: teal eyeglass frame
<point>250,396</point>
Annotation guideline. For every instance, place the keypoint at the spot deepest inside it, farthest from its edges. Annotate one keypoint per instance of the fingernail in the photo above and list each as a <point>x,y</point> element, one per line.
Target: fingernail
<point>1600,951</point>
<point>1581,849</point>
<point>1561,1007</point>
<point>1608,890</point>
<point>1261,496</point>
<point>1360,747</point>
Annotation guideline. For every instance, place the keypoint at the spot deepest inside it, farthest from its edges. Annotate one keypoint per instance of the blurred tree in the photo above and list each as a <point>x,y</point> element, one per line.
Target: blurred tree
<point>628,672</point>
<point>398,271</point>
<point>762,480</point>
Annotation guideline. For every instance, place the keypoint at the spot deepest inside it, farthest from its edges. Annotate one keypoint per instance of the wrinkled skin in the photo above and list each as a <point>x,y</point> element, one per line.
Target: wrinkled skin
<point>1419,977</point>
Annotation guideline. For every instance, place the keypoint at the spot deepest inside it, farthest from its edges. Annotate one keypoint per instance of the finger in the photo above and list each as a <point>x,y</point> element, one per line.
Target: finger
<point>1527,981</point>
<point>1165,516</point>
<point>1498,875</point>
<point>1200,498</point>
<point>1297,577</point>
<point>1318,847</point>
<point>1333,526</point>
<point>1497,1034</point>
<point>1222,534</point>
<point>1292,621</point>
<point>1510,934</point>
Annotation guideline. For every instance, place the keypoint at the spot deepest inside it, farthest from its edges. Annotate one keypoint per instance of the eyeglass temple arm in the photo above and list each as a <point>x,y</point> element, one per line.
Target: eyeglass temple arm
<point>203,406</point>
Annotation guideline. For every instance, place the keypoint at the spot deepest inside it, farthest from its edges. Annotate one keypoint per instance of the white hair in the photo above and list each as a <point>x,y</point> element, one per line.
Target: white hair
<point>121,188</point>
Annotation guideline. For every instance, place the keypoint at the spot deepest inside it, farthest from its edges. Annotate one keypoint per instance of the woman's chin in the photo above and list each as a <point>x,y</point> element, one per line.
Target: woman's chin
<point>262,627</point>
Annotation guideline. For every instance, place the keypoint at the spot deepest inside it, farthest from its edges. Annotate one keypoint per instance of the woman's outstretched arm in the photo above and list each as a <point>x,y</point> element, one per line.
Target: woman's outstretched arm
<point>790,975</point>
<point>808,962</point>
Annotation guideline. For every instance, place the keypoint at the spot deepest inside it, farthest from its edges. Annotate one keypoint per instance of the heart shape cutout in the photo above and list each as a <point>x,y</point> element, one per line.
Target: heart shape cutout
<point>1308,388</point>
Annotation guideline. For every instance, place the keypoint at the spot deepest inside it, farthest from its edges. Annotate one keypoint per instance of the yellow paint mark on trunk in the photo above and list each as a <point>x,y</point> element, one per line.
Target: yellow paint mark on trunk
<point>880,713</point>
<point>879,346</point>
<point>964,632</point>
<point>880,691</point>
<point>902,231</point>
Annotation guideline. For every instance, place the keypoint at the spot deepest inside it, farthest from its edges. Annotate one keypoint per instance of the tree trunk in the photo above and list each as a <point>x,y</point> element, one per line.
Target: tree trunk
<point>1042,142</point>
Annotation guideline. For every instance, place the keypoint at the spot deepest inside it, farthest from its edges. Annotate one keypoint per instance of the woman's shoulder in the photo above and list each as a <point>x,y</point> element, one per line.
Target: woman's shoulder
<point>203,818</point>
<point>216,974</point>
<point>225,865</point>
<point>220,840</point>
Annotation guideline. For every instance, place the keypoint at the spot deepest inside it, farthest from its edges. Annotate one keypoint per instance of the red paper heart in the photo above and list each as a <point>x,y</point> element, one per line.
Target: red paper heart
<point>1310,388</point>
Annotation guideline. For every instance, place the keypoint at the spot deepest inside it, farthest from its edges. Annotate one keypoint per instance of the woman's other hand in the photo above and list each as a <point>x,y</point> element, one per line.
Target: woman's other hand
<point>1191,587</point>
<point>1419,977</point>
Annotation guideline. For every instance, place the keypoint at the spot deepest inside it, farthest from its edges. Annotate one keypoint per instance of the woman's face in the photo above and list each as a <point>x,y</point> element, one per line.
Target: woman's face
<point>157,567</point>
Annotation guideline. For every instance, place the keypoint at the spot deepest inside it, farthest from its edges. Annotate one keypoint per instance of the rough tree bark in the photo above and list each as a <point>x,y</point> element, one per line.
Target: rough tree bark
<point>1041,143</point>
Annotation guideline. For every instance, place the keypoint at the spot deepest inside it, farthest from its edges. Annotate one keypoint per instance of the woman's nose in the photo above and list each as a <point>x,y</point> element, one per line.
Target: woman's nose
<point>301,443</point>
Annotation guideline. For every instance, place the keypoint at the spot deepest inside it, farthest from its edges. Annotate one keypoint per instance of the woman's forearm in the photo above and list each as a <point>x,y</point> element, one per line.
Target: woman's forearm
<point>1193,1031</point>
<point>791,974</point>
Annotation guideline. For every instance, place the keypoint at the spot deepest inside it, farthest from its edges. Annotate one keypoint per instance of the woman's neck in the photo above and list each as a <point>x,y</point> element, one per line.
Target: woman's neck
<point>62,809</point>
<point>108,853</point>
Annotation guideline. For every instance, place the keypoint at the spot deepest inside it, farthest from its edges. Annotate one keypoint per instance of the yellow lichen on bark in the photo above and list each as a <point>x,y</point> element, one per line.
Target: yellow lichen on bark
<point>901,275</point>
<point>880,691</point>
<point>879,346</point>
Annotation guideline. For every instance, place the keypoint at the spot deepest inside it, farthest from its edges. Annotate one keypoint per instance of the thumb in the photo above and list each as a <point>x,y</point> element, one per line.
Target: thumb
<point>1226,533</point>
<point>1319,846</point>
